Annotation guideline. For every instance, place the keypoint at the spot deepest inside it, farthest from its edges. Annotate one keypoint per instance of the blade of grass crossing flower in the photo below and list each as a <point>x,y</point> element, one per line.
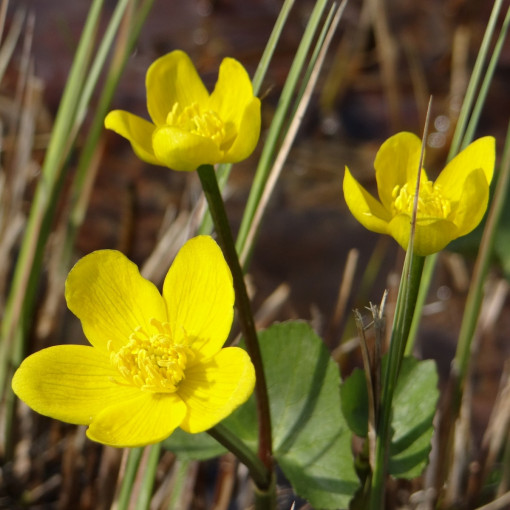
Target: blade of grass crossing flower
<point>20,301</point>
<point>484,89</point>
<point>302,101</point>
<point>404,310</point>
<point>279,120</point>
<point>460,139</point>
<point>223,170</point>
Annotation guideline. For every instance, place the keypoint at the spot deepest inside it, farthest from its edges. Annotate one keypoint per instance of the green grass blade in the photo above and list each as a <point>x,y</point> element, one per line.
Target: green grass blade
<point>476,76</point>
<point>302,100</point>
<point>276,130</point>
<point>20,301</point>
<point>149,476</point>
<point>460,140</point>
<point>484,89</point>
<point>223,170</point>
<point>82,181</point>
<point>132,463</point>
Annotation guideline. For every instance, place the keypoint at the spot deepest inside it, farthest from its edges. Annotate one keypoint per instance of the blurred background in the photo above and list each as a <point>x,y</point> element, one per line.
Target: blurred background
<point>312,259</point>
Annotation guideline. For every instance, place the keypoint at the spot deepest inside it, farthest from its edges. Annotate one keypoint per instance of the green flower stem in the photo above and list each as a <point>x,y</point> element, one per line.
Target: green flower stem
<point>239,448</point>
<point>219,216</point>
<point>406,301</point>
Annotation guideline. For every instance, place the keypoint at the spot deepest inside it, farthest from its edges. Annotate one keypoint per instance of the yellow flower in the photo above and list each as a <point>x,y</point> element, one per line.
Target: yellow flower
<point>191,127</point>
<point>448,208</point>
<point>156,362</point>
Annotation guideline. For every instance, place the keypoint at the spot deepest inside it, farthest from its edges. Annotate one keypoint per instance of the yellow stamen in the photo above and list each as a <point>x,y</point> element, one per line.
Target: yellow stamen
<point>153,361</point>
<point>431,203</point>
<point>206,123</point>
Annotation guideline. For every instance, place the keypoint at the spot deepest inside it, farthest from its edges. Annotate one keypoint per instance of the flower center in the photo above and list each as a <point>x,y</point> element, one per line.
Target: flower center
<point>206,123</point>
<point>431,204</point>
<point>152,362</point>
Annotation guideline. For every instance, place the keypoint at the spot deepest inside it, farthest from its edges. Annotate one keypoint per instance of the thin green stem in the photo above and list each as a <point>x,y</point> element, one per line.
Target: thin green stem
<point>232,443</point>
<point>245,316</point>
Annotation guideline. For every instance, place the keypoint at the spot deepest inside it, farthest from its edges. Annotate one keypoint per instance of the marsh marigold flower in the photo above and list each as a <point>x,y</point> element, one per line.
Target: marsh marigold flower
<point>191,127</point>
<point>450,207</point>
<point>156,361</point>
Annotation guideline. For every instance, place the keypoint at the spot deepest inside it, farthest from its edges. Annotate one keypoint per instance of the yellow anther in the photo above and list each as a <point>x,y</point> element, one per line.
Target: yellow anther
<point>206,123</point>
<point>152,361</point>
<point>431,203</point>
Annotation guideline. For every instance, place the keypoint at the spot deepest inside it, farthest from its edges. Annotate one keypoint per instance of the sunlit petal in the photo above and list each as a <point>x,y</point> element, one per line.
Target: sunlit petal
<point>172,79</point>
<point>135,129</point>
<point>199,294</point>
<point>363,206</point>
<point>148,419</point>
<point>72,383</point>
<point>233,92</point>
<point>107,293</point>
<point>473,202</point>
<point>480,154</point>
<point>396,164</point>
<point>213,389</point>
<point>248,133</point>
<point>181,150</point>
<point>430,235</point>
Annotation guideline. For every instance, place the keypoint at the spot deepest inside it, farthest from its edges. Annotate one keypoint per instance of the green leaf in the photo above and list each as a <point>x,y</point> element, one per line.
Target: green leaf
<point>414,406</point>
<point>311,440</point>
<point>355,402</point>
<point>193,446</point>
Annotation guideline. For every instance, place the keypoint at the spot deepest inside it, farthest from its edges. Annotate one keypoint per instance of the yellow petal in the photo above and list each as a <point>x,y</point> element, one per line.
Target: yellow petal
<point>107,293</point>
<point>213,389</point>
<point>148,419</point>
<point>396,164</point>
<point>480,154</point>
<point>430,237</point>
<point>181,150</point>
<point>199,294</point>
<point>363,206</point>
<point>233,94</point>
<point>173,79</point>
<point>72,383</point>
<point>473,202</point>
<point>135,129</point>
<point>248,133</point>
